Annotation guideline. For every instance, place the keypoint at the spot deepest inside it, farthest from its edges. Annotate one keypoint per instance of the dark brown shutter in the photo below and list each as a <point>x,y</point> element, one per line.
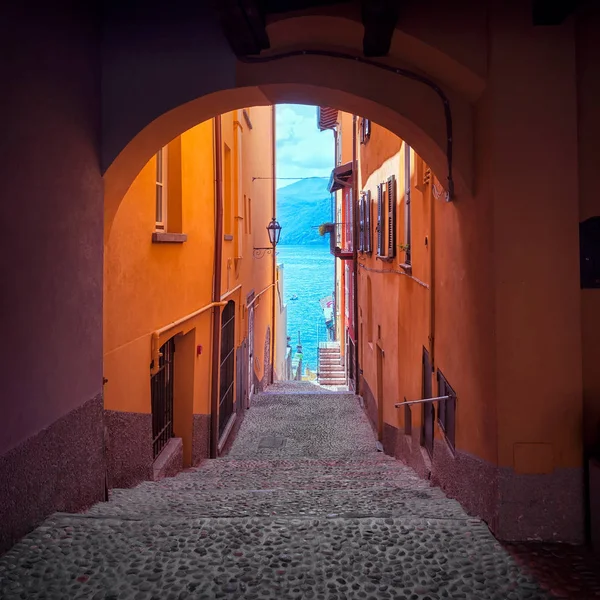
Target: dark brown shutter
<point>391,217</point>
<point>367,125</point>
<point>361,223</point>
<point>368,242</point>
<point>380,244</point>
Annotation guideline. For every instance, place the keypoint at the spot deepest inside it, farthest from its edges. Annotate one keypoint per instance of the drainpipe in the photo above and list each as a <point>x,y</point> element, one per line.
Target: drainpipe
<point>274,192</point>
<point>216,294</point>
<point>431,275</point>
<point>355,228</point>
<point>335,262</point>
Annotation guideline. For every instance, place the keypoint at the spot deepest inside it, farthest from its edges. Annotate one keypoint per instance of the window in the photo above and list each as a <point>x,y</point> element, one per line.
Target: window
<point>361,223</point>
<point>348,219</point>
<point>365,130</point>
<point>379,228</point>
<point>386,218</point>
<point>338,147</point>
<point>407,224</point>
<point>364,237</point>
<point>391,217</point>
<point>367,213</point>
<point>161,189</point>
<point>447,409</point>
<point>168,217</point>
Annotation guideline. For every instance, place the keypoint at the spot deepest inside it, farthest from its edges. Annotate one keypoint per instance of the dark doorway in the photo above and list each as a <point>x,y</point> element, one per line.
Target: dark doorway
<point>161,386</point>
<point>380,394</point>
<point>250,361</point>
<point>227,369</point>
<point>428,414</point>
<point>241,363</point>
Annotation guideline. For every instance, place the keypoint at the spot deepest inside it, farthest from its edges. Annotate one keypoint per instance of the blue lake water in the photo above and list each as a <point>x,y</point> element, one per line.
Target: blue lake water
<point>308,273</point>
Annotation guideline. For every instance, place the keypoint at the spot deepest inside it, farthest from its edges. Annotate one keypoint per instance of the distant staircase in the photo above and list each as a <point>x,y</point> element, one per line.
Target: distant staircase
<point>331,369</point>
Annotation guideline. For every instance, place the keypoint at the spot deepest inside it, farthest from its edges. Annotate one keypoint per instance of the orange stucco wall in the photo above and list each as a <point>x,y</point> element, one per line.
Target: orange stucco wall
<point>490,296</point>
<point>252,172</point>
<point>150,285</point>
<point>400,301</point>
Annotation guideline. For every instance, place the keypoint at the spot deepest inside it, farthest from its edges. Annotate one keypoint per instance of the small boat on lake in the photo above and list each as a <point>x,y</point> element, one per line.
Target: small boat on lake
<point>294,297</point>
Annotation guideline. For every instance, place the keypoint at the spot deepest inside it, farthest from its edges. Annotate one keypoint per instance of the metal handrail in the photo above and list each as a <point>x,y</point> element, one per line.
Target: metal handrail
<point>422,401</point>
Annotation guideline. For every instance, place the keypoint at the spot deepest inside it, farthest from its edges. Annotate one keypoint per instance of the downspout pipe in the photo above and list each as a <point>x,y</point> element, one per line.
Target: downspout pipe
<point>355,231</point>
<point>274,274</point>
<point>216,293</point>
<point>431,274</point>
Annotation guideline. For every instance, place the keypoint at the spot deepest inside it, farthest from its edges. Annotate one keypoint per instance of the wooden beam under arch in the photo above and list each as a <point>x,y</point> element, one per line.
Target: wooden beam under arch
<point>379,18</point>
<point>244,25</point>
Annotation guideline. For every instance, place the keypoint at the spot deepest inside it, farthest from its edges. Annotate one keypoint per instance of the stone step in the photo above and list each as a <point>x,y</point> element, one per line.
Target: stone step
<point>277,482</point>
<point>332,380</point>
<point>263,558</point>
<point>298,475</point>
<point>350,503</point>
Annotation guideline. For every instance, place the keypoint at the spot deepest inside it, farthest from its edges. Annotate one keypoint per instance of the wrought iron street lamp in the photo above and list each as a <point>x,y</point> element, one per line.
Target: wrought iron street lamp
<point>274,231</point>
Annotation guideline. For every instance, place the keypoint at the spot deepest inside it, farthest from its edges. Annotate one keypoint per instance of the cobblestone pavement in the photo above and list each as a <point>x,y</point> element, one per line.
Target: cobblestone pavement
<point>302,507</point>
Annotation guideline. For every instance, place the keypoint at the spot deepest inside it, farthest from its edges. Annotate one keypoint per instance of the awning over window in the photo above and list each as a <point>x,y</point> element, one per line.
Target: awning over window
<point>341,177</point>
<point>326,117</point>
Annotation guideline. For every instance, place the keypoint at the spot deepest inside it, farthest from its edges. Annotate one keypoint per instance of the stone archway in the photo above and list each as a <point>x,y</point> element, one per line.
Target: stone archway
<point>203,78</point>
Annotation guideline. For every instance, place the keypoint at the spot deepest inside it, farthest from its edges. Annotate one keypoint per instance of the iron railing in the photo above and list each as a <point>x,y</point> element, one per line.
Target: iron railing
<point>446,401</point>
<point>161,390</point>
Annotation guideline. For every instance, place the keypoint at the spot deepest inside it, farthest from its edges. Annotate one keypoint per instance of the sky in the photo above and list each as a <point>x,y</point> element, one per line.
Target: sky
<point>302,150</point>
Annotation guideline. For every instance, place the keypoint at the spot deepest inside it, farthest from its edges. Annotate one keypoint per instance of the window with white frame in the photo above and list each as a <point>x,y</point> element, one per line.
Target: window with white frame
<point>161,189</point>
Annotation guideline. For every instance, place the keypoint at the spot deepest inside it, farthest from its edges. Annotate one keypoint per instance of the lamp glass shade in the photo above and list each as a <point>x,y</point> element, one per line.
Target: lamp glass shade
<point>274,231</point>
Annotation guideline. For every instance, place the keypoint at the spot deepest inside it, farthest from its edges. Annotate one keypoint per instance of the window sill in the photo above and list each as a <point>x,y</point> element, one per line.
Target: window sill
<point>406,268</point>
<point>162,237</point>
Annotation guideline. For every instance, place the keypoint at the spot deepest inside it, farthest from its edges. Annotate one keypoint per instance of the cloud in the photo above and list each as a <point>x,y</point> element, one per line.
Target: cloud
<point>302,150</point>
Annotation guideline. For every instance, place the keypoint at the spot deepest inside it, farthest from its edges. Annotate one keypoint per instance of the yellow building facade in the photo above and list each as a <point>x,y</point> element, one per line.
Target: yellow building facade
<point>184,350</point>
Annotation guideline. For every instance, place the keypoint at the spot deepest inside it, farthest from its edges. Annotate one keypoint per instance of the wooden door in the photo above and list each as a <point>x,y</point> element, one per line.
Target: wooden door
<point>380,394</point>
<point>428,410</point>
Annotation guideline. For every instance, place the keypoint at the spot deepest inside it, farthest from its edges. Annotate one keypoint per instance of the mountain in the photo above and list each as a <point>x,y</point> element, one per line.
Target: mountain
<point>301,208</point>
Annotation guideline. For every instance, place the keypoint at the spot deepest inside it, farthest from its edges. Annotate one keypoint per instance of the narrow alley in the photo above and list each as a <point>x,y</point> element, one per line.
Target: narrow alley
<point>303,506</point>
